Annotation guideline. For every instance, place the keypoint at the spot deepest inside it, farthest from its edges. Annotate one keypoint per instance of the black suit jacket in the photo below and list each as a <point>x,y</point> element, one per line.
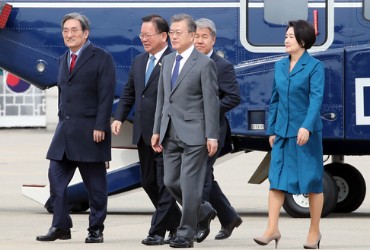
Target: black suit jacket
<point>85,104</point>
<point>229,93</point>
<point>143,96</point>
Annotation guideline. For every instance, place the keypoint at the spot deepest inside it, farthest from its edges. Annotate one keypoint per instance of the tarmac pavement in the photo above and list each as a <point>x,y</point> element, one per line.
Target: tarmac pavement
<point>22,161</point>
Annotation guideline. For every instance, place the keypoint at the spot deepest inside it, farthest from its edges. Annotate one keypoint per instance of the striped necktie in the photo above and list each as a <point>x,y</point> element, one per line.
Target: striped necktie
<point>73,62</point>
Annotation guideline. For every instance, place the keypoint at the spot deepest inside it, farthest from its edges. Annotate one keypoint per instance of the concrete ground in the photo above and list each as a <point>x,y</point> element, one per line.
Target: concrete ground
<point>22,161</point>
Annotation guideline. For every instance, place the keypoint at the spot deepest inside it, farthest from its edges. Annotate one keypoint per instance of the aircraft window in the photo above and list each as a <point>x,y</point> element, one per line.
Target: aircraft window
<point>367,9</point>
<point>282,11</point>
<point>266,20</point>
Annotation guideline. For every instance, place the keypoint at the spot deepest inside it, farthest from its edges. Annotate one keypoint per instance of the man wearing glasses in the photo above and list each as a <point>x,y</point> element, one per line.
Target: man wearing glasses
<point>186,125</point>
<point>82,138</point>
<point>141,91</point>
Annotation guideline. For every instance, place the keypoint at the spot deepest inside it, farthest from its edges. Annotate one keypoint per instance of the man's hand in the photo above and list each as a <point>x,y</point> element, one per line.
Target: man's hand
<point>212,146</point>
<point>98,136</point>
<point>155,143</point>
<point>116,127</point>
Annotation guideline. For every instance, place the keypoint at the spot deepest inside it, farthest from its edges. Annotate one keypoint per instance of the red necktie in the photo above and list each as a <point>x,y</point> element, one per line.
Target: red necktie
<point>73,62</point>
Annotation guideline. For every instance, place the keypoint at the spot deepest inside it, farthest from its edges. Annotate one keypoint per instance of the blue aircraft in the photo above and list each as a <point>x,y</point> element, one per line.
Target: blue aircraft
<point>251,36</point>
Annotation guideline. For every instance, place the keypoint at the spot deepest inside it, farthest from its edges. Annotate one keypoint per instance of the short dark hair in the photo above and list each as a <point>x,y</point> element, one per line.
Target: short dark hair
<point>304,33</point>
<point>160,23</point>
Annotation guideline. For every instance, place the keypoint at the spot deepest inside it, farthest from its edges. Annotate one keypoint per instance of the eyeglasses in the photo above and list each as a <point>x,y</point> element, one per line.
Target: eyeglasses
<point>73,31</point>
<point>146,36</point>
<point>177,33</point>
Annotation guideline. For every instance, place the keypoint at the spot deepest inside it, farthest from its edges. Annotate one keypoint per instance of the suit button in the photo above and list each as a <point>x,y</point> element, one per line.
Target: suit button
<point>143,96</point>
<point>69,83</point>
<point>67,117</point>
<point>68,100</point>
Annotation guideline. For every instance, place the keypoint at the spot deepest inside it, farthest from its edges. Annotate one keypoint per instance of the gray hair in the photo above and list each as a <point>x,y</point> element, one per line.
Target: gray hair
<point>206,23</point>
<point>192,27</point>
<point>85,23</point>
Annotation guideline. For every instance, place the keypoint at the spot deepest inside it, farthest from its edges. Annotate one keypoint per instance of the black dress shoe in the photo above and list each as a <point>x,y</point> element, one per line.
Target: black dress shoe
<point>95,237</point>
<point>152,240</point>
<point>55,234</point>
<point>171,236</point>
<point>182,242</point>
<point>226,231</point>
<point>204,226</point>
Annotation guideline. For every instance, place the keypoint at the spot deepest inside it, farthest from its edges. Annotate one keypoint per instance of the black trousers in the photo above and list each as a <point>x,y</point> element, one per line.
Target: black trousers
<point>95,180</point>
<point>213,194</point>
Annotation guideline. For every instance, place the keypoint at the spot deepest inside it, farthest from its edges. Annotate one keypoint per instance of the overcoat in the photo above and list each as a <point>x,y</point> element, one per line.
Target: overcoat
<point>85,102</point>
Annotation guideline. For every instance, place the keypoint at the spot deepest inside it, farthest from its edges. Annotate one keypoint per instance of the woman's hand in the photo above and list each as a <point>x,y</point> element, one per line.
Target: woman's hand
<point>272,140</point>
<point>303,136</point>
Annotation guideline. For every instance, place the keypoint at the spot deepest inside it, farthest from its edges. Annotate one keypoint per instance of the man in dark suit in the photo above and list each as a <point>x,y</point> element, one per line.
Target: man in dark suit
<point>82,138</point>
<point>229,96</point>
<point>186,124</point>
<point>141,90</point>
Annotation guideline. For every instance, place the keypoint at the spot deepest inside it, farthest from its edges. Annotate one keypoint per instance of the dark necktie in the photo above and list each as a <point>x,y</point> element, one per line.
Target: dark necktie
<point>150,68</point>
<point>73,62</point>
<point>175,72</point>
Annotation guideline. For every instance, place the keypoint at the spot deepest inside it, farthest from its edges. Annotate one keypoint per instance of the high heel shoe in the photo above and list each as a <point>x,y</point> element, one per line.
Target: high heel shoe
<point>316,245</point>
<point>263,241</point>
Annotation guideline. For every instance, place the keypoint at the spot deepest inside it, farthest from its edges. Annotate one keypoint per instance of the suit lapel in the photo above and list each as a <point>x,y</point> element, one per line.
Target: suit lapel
<point>157,67</point>
<point>65,67</point>
<point>85,55</point>
<point>299,66</point>
<point>214,56</point>
<point>167,71</point>
<point>186,68</point>
<point>142,72</point>
<point>285,67</point>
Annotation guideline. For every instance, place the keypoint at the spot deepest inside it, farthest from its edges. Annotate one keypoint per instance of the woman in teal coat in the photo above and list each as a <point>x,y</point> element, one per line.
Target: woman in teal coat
<point>295,132</point>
